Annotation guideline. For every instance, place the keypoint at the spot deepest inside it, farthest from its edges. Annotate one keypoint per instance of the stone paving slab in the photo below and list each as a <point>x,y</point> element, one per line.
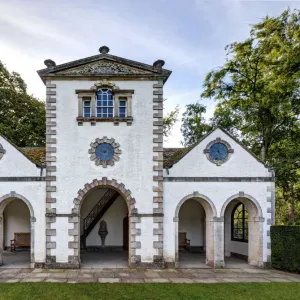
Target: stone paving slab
<point>104,275</point>
<point>109,280</point>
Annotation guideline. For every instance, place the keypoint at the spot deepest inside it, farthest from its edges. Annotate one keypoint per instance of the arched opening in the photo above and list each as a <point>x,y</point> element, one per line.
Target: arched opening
<point>242,232</point>
<point>194,233</point>
<point>16,232</point>
<point>104,232</point>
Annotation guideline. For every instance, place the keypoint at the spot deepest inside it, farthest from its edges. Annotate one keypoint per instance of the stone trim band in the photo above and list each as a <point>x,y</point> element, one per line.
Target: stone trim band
<point>33,178</point>
<point>218,179</point>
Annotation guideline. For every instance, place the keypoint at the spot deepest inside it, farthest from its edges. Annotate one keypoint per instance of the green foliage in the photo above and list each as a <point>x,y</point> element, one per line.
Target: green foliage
<point>169,121</point>
<point>22,117</point>
<point>285,242</point>
<point>150,291</point>
<point>258,86</point>
<point>258,94</point>
<point>194,126</point>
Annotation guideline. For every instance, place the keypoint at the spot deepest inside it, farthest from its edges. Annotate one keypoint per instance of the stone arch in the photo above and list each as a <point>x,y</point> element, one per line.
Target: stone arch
<point>255,224</point>
<point>242,195</point>
<point>4,201</point>
<point>208,203</point>
<point>210,214</point>
<point>133,220</point>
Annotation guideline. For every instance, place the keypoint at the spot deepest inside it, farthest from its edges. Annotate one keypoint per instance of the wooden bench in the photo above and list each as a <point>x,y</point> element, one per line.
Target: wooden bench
<point>183,241</point>
<point>22,239</point>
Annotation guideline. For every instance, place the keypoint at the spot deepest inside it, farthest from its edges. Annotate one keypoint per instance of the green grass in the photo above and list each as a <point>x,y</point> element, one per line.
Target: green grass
<point>229,291</point>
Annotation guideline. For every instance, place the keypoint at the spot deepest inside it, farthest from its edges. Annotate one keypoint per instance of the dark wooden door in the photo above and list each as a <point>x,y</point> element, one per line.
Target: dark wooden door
<point>125,233</point>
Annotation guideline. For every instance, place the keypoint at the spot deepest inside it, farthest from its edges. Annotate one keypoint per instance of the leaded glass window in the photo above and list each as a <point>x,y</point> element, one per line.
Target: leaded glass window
<point>239,223</point>
<point>122,107</point>
<point>105,104</point>
<point>86,108</point>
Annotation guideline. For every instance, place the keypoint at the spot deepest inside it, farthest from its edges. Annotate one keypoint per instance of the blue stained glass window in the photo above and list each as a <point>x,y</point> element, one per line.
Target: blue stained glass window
<point>105,104</point>
<point>105,151</point>
<point>218,151</point>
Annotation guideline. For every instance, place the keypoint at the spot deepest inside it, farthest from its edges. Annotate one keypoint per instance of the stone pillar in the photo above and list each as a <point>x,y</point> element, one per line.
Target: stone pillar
<point>32,222</point>
<point>218,239</point>
<point>255,241</point>
<point>209,242</point>
<point>1,239</point>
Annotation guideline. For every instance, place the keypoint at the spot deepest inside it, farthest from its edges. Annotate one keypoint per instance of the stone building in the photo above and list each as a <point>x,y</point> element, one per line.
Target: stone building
<point>105,161</point>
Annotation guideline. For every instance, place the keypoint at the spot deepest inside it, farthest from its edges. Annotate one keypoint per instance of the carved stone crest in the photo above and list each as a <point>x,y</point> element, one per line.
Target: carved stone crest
<point>105,84</point>
<point>104,67</point>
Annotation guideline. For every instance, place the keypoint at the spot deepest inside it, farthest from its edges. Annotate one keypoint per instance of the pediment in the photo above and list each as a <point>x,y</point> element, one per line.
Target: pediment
<point>104,67</point>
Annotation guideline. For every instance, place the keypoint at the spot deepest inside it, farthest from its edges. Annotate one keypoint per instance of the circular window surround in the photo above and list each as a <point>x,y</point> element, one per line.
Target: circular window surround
<point>218,141</point>
<point>2,151</point>
<point>97,160</point>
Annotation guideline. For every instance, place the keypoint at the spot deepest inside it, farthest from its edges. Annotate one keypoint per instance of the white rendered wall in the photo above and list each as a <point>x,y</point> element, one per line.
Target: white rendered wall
<point>16,219</point>
<point>238,247</point>
<point>15,163</point>
<point>74,167</point>
<point>240,164</point>
<point>34,192</point>
<point>218,193</point>
<point>191,221</point>
<point>113,217</point>
<point>196,164</point>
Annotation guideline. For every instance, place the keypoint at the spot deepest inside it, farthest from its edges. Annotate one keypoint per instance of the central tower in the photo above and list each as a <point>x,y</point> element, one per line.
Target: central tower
<point>104,131</point>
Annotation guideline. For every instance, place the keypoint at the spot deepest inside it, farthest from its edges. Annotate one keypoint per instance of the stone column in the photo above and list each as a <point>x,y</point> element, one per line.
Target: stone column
<point>32,222</point>
<point>218,237</point>
<point>255,243</point>
<point>1,239</point>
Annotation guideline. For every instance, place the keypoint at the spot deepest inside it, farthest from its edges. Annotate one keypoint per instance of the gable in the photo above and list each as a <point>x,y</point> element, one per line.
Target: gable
<point>14,163</point>
<point>104,65</point>
<point>194,162</point>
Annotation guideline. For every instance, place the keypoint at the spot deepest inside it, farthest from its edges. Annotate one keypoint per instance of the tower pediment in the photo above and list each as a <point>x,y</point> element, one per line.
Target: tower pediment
<point>104,65</point>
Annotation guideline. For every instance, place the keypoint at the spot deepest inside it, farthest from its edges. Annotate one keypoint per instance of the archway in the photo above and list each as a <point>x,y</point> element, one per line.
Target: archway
<point>110,204</point>
<point>194,230</point>
<point>16,220</point>
<point>243,236</point>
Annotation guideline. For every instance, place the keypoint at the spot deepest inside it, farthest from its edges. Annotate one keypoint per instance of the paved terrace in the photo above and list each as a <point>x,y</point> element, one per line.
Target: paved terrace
<point>146,275</point>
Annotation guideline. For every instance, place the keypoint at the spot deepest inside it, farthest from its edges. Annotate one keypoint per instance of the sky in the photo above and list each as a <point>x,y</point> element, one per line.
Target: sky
<point>189,35</point>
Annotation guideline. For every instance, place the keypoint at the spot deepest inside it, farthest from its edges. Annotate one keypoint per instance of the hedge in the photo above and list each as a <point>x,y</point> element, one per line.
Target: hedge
<point>285,241</point>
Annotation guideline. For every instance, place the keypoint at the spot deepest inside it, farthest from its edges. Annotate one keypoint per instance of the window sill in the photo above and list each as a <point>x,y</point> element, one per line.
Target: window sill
<point>239,240</point>
<point>94,120</point>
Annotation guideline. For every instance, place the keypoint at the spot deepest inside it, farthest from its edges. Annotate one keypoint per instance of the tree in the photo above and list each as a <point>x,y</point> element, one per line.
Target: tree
<point>258,94</point>
<point>169,121</point>
<point>258,86</point>
<point>194,126</point>
<point>22,117</point>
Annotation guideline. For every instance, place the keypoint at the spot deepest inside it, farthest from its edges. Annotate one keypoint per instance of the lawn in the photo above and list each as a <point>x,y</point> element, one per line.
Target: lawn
<point>230,291</point>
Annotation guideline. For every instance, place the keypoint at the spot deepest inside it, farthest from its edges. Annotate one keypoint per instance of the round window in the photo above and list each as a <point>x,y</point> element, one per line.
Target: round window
<point>105,151</point>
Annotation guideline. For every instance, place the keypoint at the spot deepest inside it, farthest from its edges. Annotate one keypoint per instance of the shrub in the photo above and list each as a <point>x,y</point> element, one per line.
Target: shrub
<point>286,248</point>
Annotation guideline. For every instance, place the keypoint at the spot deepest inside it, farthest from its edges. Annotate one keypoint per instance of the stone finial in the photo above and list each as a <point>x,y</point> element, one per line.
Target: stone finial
<point>49,63</point>
<point>104,50</point>
<point>159,64</point>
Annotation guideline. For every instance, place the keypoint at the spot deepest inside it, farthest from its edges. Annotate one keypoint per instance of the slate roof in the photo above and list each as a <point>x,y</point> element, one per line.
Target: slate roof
<point>173,155</point>
<point>35,154</point>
